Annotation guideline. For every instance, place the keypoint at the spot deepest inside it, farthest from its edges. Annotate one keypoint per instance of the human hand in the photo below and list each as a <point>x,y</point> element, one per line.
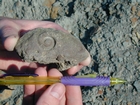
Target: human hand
<point>10,31</point>
<point>56,94</point>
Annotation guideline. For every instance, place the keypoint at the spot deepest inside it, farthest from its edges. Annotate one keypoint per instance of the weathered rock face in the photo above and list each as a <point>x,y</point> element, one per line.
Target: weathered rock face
<point>50,46</point>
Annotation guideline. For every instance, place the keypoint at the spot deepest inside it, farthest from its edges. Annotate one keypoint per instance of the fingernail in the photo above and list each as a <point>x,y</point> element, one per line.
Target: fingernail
<point>58,91</point>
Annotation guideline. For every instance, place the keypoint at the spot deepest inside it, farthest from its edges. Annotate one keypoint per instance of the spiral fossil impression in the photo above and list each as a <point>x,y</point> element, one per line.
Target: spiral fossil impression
<point>50,46</point>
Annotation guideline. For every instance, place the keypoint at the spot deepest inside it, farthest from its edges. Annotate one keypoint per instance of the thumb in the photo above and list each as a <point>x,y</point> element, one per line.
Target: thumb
<point>9,37</point>
<point>53,95</point>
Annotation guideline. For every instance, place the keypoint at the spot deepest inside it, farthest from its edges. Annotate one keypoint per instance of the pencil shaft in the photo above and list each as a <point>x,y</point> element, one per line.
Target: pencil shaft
<point>66,80</point>
<point>10,80</point>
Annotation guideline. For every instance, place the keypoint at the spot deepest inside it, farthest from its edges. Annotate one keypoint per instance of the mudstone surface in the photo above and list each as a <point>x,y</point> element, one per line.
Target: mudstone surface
<point>110,31</point>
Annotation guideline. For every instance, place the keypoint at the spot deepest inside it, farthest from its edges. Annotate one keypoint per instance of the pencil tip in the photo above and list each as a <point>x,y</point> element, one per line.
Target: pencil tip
<point>114,81</point>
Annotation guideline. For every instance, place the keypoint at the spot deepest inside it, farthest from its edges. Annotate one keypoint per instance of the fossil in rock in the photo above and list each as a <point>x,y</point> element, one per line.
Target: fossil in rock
<point>50,46</point>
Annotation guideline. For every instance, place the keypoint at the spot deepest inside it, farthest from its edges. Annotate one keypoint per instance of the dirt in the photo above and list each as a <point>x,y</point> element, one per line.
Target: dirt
<point>109,30</point>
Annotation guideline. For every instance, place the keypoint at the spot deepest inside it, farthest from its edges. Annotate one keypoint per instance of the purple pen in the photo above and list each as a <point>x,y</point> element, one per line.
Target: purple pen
<point>66,80</point>
<point>86,81</point>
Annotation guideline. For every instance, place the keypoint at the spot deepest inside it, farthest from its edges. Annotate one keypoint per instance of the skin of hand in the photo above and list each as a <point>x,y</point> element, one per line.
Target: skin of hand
<point>10,31</point>
<point>56,94</point>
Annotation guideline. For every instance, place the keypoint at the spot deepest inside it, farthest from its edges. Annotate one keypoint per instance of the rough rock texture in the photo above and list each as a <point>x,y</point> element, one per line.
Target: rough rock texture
<point>109,29</point>
<point>47,46</point>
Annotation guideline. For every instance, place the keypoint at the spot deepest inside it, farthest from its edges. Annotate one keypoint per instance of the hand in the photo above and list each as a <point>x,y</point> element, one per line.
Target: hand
<point>10,31</point>
<point>56,94</point>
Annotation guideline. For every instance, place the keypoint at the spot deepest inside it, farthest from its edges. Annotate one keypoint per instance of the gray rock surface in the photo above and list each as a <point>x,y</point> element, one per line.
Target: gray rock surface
<point>50,46</point>
<point>137,85</point>
<point>109,30</point>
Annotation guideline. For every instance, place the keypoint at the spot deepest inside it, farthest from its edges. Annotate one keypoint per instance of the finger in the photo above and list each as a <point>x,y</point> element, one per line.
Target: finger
<point>9,36</point>
<point>52,95</point>
<point>31,24</point>
<point>76,68</point>
<point>54,26</point>
<point>54,73</point>
<point>6,60</point>
<point>29,90</point>
<point>10,29</point>
<point>39,89</point>
<point>73,95</point>
<point>86,62</point>
<point>63,101</point>
<point>28,94</point>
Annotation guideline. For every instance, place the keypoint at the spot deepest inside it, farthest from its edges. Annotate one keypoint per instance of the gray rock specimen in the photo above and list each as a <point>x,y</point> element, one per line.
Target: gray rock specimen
<point>50,46</point>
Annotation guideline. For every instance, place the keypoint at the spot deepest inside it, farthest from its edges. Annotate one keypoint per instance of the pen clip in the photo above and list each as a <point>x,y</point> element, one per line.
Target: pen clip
<point>19,75</point>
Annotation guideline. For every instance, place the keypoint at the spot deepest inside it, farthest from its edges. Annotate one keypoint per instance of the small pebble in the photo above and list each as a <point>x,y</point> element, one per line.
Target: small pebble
<point>137,85</point>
